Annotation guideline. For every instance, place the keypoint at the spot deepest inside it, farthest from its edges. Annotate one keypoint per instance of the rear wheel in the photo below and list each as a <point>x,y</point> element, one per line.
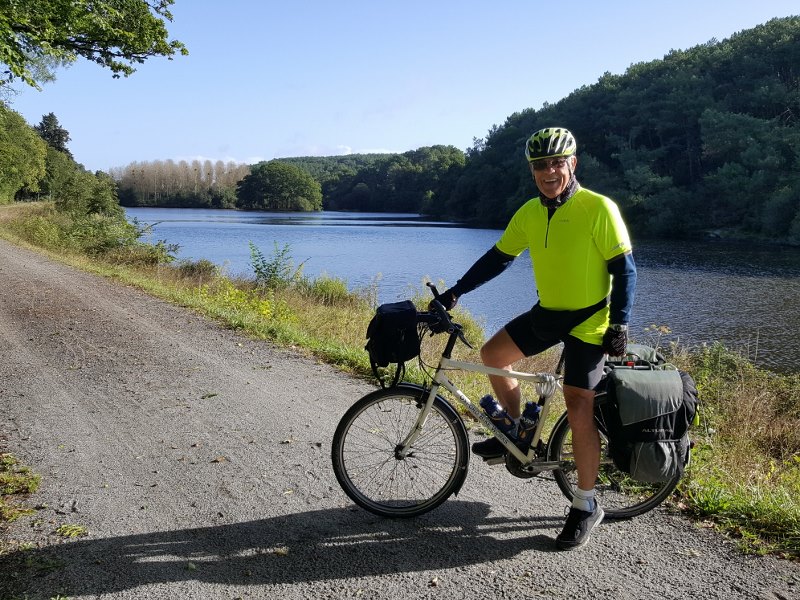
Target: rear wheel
<point>377,476</point>
<point>620,496</point>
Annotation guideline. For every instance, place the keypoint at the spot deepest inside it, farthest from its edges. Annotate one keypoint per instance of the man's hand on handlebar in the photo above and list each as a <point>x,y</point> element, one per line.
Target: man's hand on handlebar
<point>440,304</point>
<point>448,299</point>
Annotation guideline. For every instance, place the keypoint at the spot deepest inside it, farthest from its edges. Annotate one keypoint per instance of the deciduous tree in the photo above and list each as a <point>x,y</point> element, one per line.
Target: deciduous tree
<point>116,34</point>
<point>280,186</point>
<point>22,155</point>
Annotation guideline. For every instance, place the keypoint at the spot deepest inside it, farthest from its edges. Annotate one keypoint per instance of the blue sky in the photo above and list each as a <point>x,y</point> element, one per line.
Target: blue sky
<point>267,79</point>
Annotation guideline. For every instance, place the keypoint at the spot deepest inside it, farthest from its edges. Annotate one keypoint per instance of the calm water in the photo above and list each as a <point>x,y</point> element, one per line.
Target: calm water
<point>746,297</point>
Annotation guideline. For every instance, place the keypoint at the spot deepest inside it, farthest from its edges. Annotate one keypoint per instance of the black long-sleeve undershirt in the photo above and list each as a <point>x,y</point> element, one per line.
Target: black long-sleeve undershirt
<point>623,286</point>
<point>487,267</point>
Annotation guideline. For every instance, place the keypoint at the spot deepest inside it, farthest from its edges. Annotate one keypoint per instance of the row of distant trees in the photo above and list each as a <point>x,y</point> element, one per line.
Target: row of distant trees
<point>273,185</point>
<point>194,184</point>
<point>407,182</point>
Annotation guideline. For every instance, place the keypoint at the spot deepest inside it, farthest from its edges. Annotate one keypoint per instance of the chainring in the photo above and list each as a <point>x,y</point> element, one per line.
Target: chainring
<point>517,469</point>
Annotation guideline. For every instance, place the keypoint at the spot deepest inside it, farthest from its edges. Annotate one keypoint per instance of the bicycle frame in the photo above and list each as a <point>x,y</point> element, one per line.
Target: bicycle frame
<point>546,386</point>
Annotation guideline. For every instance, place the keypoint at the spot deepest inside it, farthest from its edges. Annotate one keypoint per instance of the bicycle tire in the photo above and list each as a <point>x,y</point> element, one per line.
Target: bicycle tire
<point>620,496</point>
<point>370,472</point>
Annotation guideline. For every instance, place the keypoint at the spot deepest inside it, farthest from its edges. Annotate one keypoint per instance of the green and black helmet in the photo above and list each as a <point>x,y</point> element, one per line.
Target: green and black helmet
<point>550,142</point>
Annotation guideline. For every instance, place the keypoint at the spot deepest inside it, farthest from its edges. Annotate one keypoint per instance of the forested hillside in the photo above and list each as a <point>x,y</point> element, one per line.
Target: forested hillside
<point>703,141</point>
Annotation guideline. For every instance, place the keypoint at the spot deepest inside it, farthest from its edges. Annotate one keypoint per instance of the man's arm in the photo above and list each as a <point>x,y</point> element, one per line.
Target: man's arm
<point>623,287</point>
<point>487,267</point>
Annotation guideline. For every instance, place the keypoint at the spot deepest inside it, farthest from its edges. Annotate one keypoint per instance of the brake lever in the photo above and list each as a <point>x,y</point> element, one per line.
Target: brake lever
<point>463,338</point>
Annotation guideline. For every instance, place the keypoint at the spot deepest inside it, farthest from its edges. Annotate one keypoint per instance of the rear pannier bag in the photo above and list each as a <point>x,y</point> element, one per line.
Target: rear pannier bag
<point>648,414</point>
<point>392,335</point>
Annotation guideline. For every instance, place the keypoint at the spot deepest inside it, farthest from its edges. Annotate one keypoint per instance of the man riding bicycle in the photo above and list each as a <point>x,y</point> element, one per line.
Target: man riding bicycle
<point>585,278</point>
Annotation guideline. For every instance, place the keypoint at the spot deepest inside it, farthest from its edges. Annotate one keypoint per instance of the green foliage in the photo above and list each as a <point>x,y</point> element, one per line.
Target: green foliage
<point>31,167</point>
<point>243,307</point>
<point>94,234</point>
<point>59,170</point>
<point>113,34</point>
<point>22,156</point>
<point>72,531</point>
<point>198,269</point>
<point>279,186</point>
<point>84,193</point>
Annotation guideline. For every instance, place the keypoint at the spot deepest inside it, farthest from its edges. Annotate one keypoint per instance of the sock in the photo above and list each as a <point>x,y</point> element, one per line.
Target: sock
<point>584,500</point>
<point>515,429</point>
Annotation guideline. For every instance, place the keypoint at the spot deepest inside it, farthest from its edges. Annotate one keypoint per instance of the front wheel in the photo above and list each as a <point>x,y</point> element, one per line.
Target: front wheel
<point>620,496</point>
<point>376,475</point>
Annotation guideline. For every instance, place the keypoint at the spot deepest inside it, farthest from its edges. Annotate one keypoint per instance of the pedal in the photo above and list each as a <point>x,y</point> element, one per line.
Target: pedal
<point>495,460</point>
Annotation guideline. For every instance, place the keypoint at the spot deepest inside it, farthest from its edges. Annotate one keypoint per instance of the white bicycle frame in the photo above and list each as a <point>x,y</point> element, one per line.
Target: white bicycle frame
<point>546,386</point>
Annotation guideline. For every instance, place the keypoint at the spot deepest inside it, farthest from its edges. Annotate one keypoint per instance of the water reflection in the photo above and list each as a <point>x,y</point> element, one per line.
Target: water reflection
<point>744,295</point>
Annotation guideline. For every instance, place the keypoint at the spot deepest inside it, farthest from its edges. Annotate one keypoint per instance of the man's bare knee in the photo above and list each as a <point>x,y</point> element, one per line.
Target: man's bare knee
<point>500,351</point>
<point>487,355</point>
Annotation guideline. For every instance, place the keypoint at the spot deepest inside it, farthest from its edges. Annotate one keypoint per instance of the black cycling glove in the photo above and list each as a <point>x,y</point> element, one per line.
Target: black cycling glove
<point>448,299</point>
<point>615,342</point>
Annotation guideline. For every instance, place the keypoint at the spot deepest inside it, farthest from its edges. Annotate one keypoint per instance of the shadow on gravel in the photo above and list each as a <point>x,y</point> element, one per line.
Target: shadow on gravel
<point>312,546</point>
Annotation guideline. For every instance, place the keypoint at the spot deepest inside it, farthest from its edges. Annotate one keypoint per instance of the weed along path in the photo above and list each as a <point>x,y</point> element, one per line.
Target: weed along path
<point>189,462</point>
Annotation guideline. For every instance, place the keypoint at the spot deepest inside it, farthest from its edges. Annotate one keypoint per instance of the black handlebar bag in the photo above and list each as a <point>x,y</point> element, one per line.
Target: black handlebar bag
<point>392,337</point>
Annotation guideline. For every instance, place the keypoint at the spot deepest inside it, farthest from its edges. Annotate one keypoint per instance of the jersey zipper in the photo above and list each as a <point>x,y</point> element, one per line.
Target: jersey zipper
<point>550,213</point>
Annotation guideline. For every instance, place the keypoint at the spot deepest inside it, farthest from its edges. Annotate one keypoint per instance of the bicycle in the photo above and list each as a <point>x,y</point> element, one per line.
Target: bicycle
<point>401,451</point>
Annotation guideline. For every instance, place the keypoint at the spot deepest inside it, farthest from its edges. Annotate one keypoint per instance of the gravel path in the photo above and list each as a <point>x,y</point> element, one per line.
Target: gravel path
<point>198,462</point>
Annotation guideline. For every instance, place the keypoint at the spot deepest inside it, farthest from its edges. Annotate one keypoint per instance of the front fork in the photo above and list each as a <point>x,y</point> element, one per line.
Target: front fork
<point>404,447</point>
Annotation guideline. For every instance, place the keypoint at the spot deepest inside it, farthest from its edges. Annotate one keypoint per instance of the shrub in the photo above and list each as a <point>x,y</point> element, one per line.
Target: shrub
<point>276,272</point>
<point>198,269</point>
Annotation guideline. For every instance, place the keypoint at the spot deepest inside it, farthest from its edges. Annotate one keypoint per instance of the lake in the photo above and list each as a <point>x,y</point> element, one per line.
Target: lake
<point>744,295</point>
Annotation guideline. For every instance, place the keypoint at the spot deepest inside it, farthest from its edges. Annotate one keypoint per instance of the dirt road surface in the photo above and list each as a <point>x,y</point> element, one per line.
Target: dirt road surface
<point>198,463</point>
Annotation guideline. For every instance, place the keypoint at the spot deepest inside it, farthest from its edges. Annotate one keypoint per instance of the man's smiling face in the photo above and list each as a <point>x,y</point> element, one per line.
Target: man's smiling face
<point>552,175</point>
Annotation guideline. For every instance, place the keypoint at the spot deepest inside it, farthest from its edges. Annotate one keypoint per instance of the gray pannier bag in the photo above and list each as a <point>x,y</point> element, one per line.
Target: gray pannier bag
<point>648,414</point>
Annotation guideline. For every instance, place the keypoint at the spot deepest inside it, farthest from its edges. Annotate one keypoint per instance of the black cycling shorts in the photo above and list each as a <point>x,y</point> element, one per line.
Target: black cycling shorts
<point>583,362</point>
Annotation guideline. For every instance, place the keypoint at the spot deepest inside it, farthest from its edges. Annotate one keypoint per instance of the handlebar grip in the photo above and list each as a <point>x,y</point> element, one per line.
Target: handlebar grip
<point>442,314</point>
